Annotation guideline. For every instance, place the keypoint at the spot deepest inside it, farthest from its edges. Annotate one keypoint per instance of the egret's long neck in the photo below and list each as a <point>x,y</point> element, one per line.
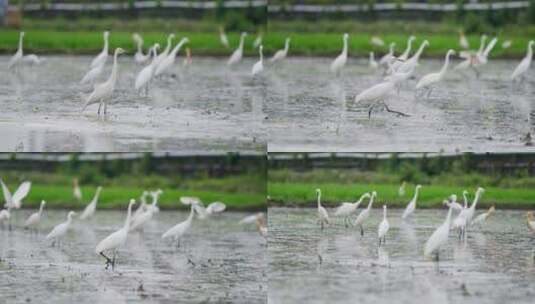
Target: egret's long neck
<point>344,51</point>
<point>371,202</point>
<point>106,43</point>
<point>154,55</point>
<point>97,194</point>
<point>408,49</point>
<point>261,55</point>
<point>286,46</point>
<point>420,50</point>
<point>139,45</point>
<point>448,218</point>
<point>446,63</point>
<point>384,213</point>
<point>69,219</point>
<point>113,76</point>
<point>41,209</point>
<point>128,215</point>
<point>20,43</point>
<point>168,47</point>
<point>391,51</point>
<point>530,51</point>
<point>191,213</point>
<point>416,192</point>
<point>319,199</point>
<point>241,42</point>
<point>482,45</point>
<point>476,199</point>
<point>177,48</point>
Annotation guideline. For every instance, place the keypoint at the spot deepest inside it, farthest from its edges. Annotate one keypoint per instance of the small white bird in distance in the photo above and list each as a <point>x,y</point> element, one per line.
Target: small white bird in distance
<point>33,220</point>
<point>89,210</point>
<point>323,216</point>
<point>281,54</point>
<point>258,67</point>
<point>179,230</point>
<point>383,228</point>
<point>364,214</point>
<point>61,229</point>
<point>76,191</point>
<point>412,204</point>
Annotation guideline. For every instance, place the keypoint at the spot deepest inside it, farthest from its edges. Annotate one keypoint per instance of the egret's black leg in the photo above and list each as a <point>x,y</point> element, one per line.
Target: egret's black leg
<point>108,260</point>
<point>99,105</point>
<point>361,231</point>
<point>396,112</point>
<point>370,112</point>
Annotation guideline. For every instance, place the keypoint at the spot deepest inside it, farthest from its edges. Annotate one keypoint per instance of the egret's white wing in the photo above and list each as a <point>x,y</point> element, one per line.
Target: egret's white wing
<point>248,219</point>
<point>22,191</point>
<point>7,195</point>
<point>215,207</point>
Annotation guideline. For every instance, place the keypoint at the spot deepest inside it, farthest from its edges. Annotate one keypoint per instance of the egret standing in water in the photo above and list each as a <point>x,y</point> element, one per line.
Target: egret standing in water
<point>364,214</point>
<point>523,66</point>
<point>412,204</point>
<point>383,228</point>
<point>340,61</point>
<point>168,61</point>
<point>144,77</point>
<point>281,54</point>
<point>115,240</point>
<point>61,229</point>
<point>177,232</point>
<point>89,210</point>
<point>102,57</point>
<point>429,80</point>
<point>33,220</point>
<point>323,216</point>
<point>104,90</point>
<point>438,238</point>
<point>258,67</point>
<point>16,59</point>
<point>346,209</point>
<point>139,57</point>
<point>238,53</point>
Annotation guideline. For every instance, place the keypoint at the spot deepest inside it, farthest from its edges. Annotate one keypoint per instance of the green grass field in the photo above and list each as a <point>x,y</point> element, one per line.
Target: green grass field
<point>116,197</point>
<point>207,44</point>
<point>304,195</point>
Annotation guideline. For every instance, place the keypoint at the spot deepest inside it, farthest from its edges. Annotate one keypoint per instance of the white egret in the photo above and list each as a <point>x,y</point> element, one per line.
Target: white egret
<point>141,219</point>
<point>388,57</point>
<point>482,58</point>
<point>438,238</point>
<point>189,200</point>
<point>168,61</point>
<point>412,204</point>
<point>405,55</point>
<point>238,53</point>
<point>215,207</point>
<point>33,220</point>
<point>346,209</point>
<point>177,232</point>
<point>409,65</point>
<point>139,57</point>
<point>372,63</point>
<point>155,196</point>
<point>92,75</point>
<point>323,216</point>
<point>61,229</point>
<point>258,41</point>
<point>452,202</point>
<point>223,37</point>
<point>383,228</point>
<point>16,59</point>
<point>531,221</point>
<point>250,219</point>
<point>102,57</point>
<point>401,190</point>
<point>258,67</point>
<point>471,211</point>
<point>364,214</point>
<point>460,221</point>
<point>340,61</point>
<point>281,54</point>
<point>104,90</point>
<point>507,44</point>
<point>377,41</point>
<point>89,210</point>
<point>115,240</point>
<point>15,201</point>
<point>145,75</point>
<point>471,56</point>
<point>159,58</point>
<point>482,218</point>
<point>523,66</point>
<point>76,191</point>
<point>430,80</point>
<point>463,42</point>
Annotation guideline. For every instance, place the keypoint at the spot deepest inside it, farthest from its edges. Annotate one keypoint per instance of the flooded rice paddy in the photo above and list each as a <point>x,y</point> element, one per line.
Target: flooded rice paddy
<point>206,107</point>
<point>310,109</point>
<point>337,265</point>
<point>219,261</point>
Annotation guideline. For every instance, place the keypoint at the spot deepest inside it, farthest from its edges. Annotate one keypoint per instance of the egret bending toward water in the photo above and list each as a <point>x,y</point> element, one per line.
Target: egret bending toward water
<point>383,227</point>
<point>76,191</point>
<point>238,53</point>
<point>531,221</point>
<point>429,80</point>
<point>16,59</point>
<point>104,90</point>
<point>33,220</point>
<point>176,232</point>
<point>364,214</point>
<point>102,57</point>
<point>115,240</point>
<point>168,61</point>
<point>139,57</point>
<point>281,54</point>
<point>223,37</point>
<point>379,92</point>
<point>482,218</point>
<point>15,201</point>
<point>346,209</point>
<point>523,67</point>
<point>412,204</point>
<point>61,229</point>
<point>145,76</point>
<point>258,67</point>
<point>323,216</point>
<point>340,61</point>
<point>438,238</point>
<point>89,210</point>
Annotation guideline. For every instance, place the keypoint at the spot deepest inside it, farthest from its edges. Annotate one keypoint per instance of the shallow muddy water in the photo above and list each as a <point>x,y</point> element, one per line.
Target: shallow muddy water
<point>228,262</point>
<point>309,109</point>
<point>206,107</point>
<point>337,265</point>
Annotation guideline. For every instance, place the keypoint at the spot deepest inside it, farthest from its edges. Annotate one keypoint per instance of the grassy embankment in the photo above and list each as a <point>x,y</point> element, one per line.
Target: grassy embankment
<point>244,192</point>
<point>84,37</point>
<point>298,189</point>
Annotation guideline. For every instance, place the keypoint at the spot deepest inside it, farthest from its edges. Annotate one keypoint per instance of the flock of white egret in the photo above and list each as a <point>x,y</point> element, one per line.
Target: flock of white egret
<point>465,217</point>
<point>135,220</point>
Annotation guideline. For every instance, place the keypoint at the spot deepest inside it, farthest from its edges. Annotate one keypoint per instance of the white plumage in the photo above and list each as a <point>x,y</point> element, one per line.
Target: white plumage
<point>223,37</point>
<point>34,219</point>
<point>340,61</point>
<point>61,229</point>
<point>238,53</point>
<point>412,204</point>
<point>383,227</point>
<point>524,65</point>
<point>89,210</point>
<point>168,61</point>
<point>76,191</point>
<point>145,75</point>
<point>165,52</point>
<point>176,232</point>
<point>433,78</point>
<point>258,67</point>
<point>364,214</point>
<point>388,57</point>
<point>281,54</point>
<point>92,75</point>
<point>15,201</point>
<point>323,216</point>
<point>139,57</point>
<point>482,218</point>
<point>16,59</point>
<point>346,208</point>
<point>439,236</point>
<point>102,57</point>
